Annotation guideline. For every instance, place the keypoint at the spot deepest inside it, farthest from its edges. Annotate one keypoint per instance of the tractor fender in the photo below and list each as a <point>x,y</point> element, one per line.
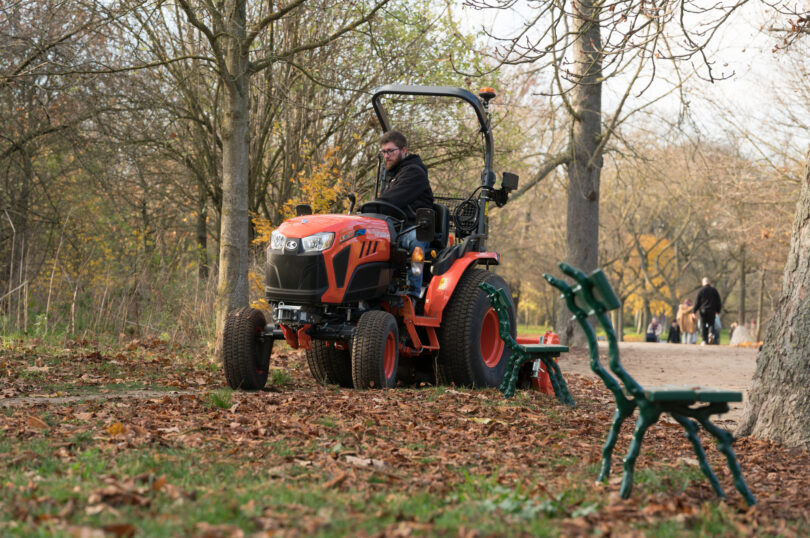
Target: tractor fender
<point>441,287</point>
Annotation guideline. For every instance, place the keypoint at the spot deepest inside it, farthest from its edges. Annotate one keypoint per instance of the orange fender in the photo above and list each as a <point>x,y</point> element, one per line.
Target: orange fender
<point>441,287</point>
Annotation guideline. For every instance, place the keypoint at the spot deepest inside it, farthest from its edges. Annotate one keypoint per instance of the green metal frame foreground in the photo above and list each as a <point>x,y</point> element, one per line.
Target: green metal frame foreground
<point>521,354</point>
<point>595,291</point>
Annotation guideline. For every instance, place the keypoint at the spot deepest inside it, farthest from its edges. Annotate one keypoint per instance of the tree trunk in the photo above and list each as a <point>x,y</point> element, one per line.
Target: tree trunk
<point>741,319</point>
<point>760,302</point>
<point>582,221</point>
<point>232,287</point>
<point>778,407</point>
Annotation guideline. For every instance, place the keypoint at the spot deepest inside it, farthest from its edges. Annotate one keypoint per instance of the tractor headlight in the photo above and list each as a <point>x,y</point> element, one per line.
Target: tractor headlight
<point>318,242</point>
<point>277,240</point>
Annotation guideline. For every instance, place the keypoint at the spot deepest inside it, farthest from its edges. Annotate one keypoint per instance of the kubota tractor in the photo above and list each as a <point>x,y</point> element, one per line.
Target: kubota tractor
<point>337,285</point>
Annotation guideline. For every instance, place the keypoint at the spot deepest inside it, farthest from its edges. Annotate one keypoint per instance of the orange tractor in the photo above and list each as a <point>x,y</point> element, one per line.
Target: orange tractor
<point>337,285</point>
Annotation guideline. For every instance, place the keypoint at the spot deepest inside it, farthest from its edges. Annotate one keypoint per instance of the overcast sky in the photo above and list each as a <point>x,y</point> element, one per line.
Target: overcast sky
<point>742,51</point>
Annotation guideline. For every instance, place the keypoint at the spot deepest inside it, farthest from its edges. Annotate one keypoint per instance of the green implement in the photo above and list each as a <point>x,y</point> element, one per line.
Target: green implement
<point>690,406</point>
<point>522,354</point>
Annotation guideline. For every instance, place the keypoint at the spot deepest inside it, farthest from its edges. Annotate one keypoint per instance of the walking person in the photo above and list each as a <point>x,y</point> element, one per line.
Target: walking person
<point>708,305</point>
<point>687,322</point>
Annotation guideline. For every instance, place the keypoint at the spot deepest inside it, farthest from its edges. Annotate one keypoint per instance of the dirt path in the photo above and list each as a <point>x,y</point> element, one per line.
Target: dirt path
<point>721,367</point>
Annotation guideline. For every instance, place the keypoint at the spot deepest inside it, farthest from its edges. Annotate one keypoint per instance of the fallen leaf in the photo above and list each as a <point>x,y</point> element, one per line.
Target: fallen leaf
<point>85,532</point>
<point>36,422</point>
<point>124,530</point>
<point>159,482</point>
<point>336,481</point>
<point>116,429</point>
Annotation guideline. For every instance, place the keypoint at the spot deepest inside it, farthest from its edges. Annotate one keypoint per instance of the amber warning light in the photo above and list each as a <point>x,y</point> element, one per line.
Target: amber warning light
<point>487,93</point>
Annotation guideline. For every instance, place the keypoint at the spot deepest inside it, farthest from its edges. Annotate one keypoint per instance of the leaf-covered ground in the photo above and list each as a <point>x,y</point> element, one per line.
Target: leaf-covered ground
<point>144,439</point>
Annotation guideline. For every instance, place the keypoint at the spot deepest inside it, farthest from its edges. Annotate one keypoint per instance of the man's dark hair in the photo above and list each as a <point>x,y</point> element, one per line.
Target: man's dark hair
<point>396,137</point>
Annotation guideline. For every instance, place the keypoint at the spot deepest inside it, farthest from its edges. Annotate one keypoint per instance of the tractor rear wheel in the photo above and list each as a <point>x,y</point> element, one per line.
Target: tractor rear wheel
<point>471,352</point>
<point>375,351</point>
<point>245,352</point>
<point>329,364</point>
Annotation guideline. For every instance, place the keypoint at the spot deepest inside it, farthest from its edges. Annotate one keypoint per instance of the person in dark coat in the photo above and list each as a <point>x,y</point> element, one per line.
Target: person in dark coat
<point>408,189</point>
<point>674,336</point>
<point>708,305</point>
<point>408,186</point>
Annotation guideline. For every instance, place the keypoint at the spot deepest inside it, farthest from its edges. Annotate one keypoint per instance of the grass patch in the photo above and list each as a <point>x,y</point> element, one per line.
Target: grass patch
<point>220,398</point>
<point>278,377</point>
<point>668,479</point>
<point>172,491</point>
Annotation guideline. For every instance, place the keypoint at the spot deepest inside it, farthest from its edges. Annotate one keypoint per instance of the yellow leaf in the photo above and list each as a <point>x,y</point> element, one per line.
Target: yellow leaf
<point>116,429</point>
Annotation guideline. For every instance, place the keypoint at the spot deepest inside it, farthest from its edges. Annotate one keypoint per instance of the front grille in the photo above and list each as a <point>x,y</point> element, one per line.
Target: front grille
<point>296,277</point>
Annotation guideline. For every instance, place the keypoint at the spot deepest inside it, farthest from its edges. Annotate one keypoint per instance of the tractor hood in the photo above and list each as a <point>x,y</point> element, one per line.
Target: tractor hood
<point>328,259</point>
<point>343,226</point>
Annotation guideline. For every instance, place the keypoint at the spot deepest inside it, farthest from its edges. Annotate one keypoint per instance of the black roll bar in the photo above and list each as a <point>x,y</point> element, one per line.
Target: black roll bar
<point>481,112</point>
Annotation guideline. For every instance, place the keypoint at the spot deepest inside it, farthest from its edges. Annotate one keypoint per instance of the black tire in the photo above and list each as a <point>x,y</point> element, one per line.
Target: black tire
<point>467,321</point>
<point>245,352</point>
<point>375,351</point>
<point>329,364</point>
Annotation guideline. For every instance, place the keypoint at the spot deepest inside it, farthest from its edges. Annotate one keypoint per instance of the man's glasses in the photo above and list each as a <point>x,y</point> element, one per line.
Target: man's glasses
<point>388,152</point>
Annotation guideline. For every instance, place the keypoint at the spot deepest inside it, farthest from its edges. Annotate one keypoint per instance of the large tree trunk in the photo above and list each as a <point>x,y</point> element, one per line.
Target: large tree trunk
<point>760,302</point>
<point>232,287</point>
<point>582,221</point>
<point>741,319</point>
<point>778,407</point>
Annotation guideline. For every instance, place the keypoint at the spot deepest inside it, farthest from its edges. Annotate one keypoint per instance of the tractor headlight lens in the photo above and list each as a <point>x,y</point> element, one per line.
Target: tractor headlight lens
<point>318,242</point>
<point>277,240</point>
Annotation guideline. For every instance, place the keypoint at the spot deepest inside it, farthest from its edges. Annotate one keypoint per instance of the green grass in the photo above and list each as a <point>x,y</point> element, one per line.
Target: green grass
<point>174,489</point>
<point>670,479</point>
<point>276,377</point>
<point>203,490</point>
<point>220,398</point>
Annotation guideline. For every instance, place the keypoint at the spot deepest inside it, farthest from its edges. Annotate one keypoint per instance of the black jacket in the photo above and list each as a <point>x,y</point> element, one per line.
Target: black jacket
<point>707,301</point>
<point>674,336</point>
<point>408,186</point>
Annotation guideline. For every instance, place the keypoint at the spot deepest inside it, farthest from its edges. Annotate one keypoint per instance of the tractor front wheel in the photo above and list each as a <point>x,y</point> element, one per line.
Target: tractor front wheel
<point>245,352</point>
<point>329,364</point>
<point>375,351</point>
<point>471,352</point>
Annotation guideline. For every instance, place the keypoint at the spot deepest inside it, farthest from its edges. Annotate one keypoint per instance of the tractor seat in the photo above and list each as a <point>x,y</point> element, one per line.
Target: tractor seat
<point>442,227</point>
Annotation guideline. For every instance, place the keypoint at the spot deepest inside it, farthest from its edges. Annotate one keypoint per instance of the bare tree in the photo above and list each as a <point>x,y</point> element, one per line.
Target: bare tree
<point>231,37</point>
<point>582,44</point>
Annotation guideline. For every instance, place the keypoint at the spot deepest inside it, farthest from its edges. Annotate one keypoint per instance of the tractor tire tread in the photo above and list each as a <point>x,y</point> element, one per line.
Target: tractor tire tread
<point>328,364</point>
<point>239,349</point>
<point>366,350</point>
<point>453,366</point>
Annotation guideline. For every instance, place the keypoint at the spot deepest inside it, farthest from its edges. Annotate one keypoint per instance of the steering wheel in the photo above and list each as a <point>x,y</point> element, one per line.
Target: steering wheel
<point>465,217</point>
<point>385,208</point>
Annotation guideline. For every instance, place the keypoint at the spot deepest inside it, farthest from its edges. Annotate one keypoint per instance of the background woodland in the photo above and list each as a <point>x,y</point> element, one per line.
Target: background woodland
<point>111,167</point>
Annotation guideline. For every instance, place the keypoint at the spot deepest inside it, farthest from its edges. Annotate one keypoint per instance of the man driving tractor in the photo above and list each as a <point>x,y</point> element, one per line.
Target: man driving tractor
<point>408,189</point>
